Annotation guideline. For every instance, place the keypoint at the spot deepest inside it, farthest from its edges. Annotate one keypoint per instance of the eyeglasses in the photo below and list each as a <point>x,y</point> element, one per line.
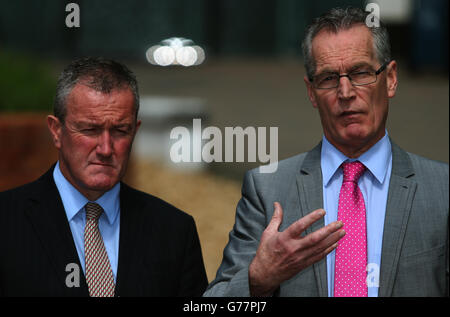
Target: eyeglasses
<point>357,78</point>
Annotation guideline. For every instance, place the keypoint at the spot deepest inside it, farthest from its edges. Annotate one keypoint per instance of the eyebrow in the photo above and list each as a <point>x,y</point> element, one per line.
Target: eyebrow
<point>352,68</point>
<point>82,124</point>
<point>360,65</point>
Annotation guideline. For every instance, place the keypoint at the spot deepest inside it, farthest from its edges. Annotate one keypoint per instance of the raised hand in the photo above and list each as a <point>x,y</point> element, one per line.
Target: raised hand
<point>281,255</point>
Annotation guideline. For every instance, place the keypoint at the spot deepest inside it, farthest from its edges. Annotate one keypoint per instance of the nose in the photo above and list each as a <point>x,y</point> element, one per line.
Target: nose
<point>104,145</point>
<point>345,90</point>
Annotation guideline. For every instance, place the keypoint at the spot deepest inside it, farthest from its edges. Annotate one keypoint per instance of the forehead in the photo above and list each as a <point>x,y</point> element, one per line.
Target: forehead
<point>87,103</point>
<point>344,48</point>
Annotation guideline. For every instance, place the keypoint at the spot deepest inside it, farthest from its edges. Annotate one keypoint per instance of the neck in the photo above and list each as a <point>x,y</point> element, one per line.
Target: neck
<point>353,152</point>
<point>91,195</point>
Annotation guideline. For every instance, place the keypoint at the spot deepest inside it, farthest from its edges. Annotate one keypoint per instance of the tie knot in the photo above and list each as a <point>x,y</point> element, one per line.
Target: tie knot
<point>93,211</point>
<point>353,171</point>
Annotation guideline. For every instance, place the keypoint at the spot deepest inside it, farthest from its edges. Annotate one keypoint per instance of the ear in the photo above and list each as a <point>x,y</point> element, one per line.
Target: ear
<point>391,79</point>
<point>55,127</point>
<point>138,124</point>
<point>310,90</point>
<point>136,128</point>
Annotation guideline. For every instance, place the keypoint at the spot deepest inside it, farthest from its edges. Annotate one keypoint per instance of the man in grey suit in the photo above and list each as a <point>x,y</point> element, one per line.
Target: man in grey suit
<point>289,226</point>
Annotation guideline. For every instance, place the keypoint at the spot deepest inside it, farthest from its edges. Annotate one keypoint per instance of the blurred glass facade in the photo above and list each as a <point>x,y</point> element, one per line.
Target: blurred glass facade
<point>126,29</point>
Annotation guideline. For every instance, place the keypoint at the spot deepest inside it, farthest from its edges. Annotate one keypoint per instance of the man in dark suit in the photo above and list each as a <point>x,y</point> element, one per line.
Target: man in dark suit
<point>356,215</point>
<point>78,230</point>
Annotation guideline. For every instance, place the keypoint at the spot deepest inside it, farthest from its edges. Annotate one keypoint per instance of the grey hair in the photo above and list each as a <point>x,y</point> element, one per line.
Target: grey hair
<point>338,19</point>
<point>98,73</point>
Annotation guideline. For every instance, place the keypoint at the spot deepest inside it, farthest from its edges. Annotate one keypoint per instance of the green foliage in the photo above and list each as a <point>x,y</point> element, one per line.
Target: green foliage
<point>26,83</point>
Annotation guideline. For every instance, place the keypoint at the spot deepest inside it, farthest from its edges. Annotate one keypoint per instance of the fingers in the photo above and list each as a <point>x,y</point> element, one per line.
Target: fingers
<point>318,243</point>
<point>320,255</point>
<point>281,255</point>
<point>296,229</point>
<point>277,218</point>
<point>317,236</point>
<point>318,240</point>
<point>318,251</point>
<point>314,246</point>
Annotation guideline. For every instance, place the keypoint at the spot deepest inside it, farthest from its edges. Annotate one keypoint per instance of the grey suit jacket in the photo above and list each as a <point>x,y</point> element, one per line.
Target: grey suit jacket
<point>414,260</point>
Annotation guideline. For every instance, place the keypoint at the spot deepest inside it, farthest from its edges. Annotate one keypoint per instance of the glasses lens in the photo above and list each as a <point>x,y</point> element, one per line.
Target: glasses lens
<point>326,81</point>
<point>363,78</point>
<point>331,80</point>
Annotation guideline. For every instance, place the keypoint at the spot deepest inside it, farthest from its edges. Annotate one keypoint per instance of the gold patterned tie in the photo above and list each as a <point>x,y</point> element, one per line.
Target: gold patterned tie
<point>99,276</point>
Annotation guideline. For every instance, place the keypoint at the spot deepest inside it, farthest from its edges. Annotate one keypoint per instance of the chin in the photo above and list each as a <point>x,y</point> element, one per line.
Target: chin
<point>356,132</point>
<point>102,184</point>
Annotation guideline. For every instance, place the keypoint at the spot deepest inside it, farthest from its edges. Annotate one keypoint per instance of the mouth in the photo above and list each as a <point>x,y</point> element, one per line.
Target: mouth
<point>350,117</point>
<point>101,164</point>
<point>350,113</point>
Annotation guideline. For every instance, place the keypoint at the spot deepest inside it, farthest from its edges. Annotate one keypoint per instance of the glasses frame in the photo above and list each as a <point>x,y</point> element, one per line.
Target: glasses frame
<point>377,72</point>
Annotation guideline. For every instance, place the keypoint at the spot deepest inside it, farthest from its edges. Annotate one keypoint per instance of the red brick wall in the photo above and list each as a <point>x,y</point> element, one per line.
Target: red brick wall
<point>26,148</point>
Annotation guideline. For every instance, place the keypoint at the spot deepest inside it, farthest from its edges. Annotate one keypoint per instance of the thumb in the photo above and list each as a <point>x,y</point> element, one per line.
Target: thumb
<point>277,218</point>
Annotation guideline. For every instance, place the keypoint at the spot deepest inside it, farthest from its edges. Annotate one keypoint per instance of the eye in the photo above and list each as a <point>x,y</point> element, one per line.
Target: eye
<point>326,78</point>
<point>360,73</point>
<point>121,131</point>
<point>89,130</point>
<point>361,76</point>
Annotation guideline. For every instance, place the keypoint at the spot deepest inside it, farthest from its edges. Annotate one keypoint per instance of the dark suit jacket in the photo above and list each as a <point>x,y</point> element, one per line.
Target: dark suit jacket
<point>159,249</point>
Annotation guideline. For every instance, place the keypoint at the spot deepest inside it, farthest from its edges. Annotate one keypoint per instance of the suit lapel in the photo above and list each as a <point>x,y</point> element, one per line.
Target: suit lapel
<point>310,191</point>
<point>130,246</point>
<point>48,218</point>
<point>400,197</point>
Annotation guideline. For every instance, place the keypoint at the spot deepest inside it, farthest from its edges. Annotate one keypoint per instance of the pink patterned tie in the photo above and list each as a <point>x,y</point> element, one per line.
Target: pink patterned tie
<point>351,253</point>
<point>99,276</point>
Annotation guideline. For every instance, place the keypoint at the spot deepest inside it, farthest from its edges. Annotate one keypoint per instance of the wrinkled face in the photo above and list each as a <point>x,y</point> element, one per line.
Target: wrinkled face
<point>95,141</point>
<point>353,117</point>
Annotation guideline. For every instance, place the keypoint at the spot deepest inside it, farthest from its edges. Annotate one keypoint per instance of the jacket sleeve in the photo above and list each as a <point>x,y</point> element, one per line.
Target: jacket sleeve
<point>250,222</point>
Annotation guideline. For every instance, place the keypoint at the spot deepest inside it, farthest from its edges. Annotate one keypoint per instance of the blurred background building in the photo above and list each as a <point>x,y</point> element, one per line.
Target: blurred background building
<point>252,76</point>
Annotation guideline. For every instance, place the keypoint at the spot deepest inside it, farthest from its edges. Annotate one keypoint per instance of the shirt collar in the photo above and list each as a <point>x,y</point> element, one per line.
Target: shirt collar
<point>74,201</point>
<point>376,159</point>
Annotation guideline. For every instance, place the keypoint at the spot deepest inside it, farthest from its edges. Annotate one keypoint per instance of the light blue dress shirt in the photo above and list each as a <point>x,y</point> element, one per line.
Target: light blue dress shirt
<point>374,185</point>
<point>108,223</point>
